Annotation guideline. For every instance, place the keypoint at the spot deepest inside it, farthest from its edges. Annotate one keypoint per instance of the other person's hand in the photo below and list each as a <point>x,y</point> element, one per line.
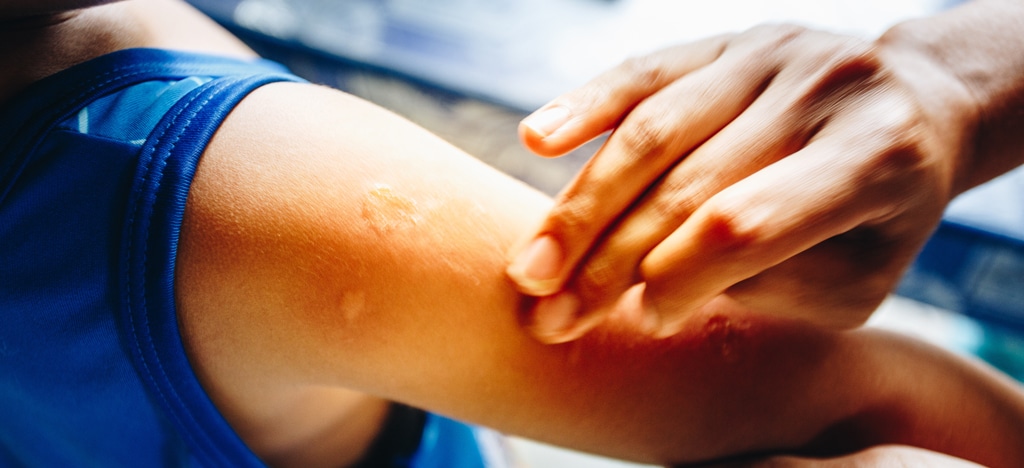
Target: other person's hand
<point>797,171</point>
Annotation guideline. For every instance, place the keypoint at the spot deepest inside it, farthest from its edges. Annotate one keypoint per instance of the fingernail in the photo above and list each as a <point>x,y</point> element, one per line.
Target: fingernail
<point>536,269</point>
<point>546,121</point>
<point>553,316</point>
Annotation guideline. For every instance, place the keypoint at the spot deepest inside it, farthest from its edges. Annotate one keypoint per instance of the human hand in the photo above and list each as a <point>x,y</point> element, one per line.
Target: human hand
<point>796,171</point>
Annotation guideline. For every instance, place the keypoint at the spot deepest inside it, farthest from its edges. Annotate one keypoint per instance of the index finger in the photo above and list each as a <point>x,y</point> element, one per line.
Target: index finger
<point>582,114</point>
<point>655,135</point>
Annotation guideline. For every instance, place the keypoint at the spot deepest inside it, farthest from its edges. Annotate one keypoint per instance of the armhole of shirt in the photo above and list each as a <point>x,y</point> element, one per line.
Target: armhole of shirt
<point>148,316</point>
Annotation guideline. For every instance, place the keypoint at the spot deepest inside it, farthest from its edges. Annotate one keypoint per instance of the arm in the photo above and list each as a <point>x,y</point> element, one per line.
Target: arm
<point>332,245</point>
<point>796,171</point>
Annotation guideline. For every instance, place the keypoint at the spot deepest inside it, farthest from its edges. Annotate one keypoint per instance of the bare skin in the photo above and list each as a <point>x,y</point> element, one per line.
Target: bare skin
<point>882,455</point>
<point>335,257</point>
<point>289,282</point>
<point>797,171</point>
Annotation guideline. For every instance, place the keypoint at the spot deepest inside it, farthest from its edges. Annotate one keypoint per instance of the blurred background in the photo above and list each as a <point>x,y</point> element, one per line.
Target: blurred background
<point>469,70</point>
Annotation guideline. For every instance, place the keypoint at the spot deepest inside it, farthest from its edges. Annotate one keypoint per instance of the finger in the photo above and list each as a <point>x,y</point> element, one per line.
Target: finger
<point>648,142</point>
<point>737,151</point>
<point>543,322</point>
<point>558,319</point>
<point>826,189</point>
<point>780,121</point>
<point>744,146</point>
<point>586,112</point>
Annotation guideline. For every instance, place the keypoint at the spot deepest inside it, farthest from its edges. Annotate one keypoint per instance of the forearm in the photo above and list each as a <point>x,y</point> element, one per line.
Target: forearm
<point>981,46</point>
<point>949,404</point>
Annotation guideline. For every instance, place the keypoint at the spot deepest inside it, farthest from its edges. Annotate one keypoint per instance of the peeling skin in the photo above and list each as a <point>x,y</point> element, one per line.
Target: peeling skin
<point>386,211</point>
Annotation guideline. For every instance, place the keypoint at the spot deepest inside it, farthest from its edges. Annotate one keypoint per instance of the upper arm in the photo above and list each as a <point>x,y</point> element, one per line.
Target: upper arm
<point>328,243</point>
<point>335,229</point>
<point>332,243</point>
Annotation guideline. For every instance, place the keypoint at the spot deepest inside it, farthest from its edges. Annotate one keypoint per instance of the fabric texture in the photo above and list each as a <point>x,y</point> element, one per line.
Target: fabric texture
<point>95,168</point>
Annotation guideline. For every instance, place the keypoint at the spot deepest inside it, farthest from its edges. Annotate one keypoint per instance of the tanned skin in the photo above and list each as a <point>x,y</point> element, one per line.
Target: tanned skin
<point>335,257</point>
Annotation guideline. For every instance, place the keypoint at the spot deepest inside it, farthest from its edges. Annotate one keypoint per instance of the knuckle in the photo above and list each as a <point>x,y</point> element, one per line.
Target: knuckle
<point>728,226</point>
<point>676,199</point>
<point>903,161</point>
<point>862,54</point>
<point>643,134</point>
<point>575,215</point>
<point>899,133</point>
<point>840,50</point>
<point>848,61</point>
<point>763,50</point>
<point>903,172</point>
<point>835,71</point>
<point>673,203</point>
<point>598,279</point>
<point>902,122</point>
<point>854,58</point>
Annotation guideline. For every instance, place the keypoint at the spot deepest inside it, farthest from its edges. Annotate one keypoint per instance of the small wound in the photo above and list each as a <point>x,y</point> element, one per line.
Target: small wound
<point>727,336</point>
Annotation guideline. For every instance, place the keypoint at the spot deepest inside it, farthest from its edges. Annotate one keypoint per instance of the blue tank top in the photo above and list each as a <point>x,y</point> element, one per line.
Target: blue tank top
<point>95,165</point>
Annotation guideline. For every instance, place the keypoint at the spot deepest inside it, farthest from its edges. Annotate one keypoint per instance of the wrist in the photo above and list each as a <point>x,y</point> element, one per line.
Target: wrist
<point>968,61</point>
<point>949,105</point>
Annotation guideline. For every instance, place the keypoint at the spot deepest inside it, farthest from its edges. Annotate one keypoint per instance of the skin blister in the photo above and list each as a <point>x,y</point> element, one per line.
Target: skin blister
<point>386,210</point>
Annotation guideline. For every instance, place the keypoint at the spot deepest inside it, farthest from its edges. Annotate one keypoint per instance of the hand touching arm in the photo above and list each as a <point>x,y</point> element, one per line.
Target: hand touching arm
<point>795,171</point>
<point>330,245</point>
